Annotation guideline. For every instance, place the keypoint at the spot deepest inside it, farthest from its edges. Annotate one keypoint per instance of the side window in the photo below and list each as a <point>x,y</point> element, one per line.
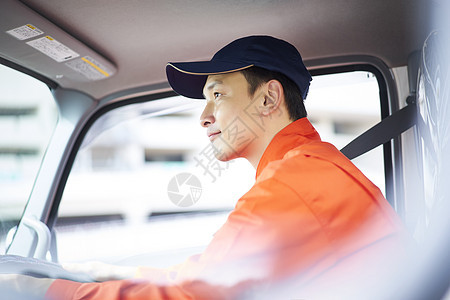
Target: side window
<point>28,115</point>
<point>145,188</point>
<point>145,184</point>
<point>341,107</point>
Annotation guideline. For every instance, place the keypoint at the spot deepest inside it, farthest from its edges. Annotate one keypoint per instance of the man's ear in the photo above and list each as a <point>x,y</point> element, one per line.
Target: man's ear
<point>273,96</point>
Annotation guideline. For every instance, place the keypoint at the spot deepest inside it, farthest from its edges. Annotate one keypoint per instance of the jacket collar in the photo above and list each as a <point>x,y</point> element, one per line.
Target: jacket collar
<point>295,134</point>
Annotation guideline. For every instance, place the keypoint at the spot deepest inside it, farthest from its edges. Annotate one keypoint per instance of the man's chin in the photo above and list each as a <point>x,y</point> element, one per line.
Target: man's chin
<point>224,154</point>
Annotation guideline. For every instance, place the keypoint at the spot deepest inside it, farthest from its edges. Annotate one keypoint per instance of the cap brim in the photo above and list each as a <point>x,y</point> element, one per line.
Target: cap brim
<point>189,78</point>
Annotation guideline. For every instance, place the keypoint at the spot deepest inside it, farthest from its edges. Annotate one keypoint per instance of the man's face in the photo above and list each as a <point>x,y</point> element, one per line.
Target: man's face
<point>230,128</point>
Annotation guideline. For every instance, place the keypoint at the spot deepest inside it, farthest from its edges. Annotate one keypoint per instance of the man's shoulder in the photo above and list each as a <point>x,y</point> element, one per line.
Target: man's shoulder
<point>313,161</point>
<point>294,161</point>
<point>318,149</point>
<point>315,152</point>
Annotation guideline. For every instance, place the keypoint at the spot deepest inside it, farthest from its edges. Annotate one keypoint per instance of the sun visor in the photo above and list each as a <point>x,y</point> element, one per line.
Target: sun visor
<point>35,43</point>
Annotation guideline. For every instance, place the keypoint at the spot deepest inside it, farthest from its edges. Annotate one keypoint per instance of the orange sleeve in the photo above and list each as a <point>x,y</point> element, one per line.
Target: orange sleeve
<point>239,256</point>
<point>293,225</point>
<point>141,290</point>
<point>111,290</point>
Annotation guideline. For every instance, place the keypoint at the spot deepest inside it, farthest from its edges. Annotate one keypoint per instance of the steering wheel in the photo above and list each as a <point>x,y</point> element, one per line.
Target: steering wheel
<point>14,264</point>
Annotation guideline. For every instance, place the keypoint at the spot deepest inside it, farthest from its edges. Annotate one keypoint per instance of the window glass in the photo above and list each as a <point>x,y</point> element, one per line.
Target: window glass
<point>147,169</point>
<point>28,116</point>
<point>146,189</point>
<point>343,106</point>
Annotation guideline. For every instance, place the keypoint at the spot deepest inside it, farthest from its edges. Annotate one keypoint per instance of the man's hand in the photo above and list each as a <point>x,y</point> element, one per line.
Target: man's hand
<point>23,287</point>
<point>100,271</point>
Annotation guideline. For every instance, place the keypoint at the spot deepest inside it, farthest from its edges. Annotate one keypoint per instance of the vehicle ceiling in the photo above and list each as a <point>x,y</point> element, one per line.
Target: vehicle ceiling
<point>139,37</point>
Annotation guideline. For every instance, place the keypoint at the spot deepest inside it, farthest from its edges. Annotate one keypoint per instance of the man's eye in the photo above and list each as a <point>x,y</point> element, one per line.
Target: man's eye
<point>217,94</point>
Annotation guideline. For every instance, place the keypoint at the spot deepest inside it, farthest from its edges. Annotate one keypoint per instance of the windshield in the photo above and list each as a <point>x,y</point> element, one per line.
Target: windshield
<point>148,169</point>
<point>28,116</point>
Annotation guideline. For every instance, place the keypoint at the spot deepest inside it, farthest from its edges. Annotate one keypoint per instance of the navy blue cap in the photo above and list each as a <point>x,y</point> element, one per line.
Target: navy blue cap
<point>188,78</point>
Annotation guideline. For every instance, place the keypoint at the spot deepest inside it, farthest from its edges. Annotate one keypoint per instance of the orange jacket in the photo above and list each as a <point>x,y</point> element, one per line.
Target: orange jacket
<point>310,212</point>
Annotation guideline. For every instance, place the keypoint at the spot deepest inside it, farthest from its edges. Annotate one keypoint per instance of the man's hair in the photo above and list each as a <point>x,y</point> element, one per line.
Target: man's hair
<point>257,76</point>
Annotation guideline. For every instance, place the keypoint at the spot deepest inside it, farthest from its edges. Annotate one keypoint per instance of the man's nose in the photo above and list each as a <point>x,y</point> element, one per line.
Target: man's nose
<point>207,116</point>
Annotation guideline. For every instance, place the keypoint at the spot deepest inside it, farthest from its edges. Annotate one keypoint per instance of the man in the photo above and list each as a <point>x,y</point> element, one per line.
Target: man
<point>312,220</point>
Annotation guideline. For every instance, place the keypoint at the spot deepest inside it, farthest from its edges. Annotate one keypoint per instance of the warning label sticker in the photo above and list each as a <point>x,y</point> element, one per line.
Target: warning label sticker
<point>25,32</point>
<point>89,67</point>
<point>53,49</point>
